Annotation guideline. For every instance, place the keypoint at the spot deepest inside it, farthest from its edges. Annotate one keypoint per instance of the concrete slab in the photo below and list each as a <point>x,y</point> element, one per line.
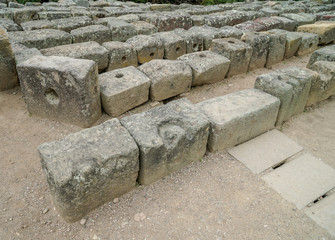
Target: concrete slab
<point>323,213</point>
<point>302,180</point>
<point>265,151</point>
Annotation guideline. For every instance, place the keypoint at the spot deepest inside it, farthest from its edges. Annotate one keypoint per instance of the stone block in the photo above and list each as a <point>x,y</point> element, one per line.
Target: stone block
<point>61,88</point>
<point>207,67</point>
<point>309,43</point>
<point>270,23</point>
<point>238,117</point>
<point>291,86</point>
<point>276,48</point>
<point>147,48</point>
<point>169,138</point>
<point>8,77</point>
<point>230,32</point>
<point>323,54</point>
<point>325,31</point>
<point>269,12</point>
<point>21,15</point>
<point>52,15</point>
<point>96,33</point>
<point>37,25</point>
<point>23,53</point>
<point>288,24</point>
<point>99,4</point>
<point>144,28</point>
<point>293,42</point>
<point>121,31</point>
<point>9,25</point>
<point>194,41</point>
<point>6,14</point>
<point>198,20</point>
<point>174,45</point>
<point>260,45</point>
<point>251,26</point>
<point>87,50</point>
<point>207,34</point>
<point>123,89</point>
<point>168,78</point>
<point>323,87</point>
<point>69,24</point>
<point>238,52</point>
<point>89,168</point>
<point>129,18</point>
<point>300,18</point>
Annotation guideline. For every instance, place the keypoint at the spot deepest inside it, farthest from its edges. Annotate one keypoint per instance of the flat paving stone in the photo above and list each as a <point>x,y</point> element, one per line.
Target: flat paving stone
<point>323,213</point>
<point>302,180</point>
<point>265,151</point>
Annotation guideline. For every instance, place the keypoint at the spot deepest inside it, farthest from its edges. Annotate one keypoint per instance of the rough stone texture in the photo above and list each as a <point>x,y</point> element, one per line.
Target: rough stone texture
<point>270,23</point>
<point>69,24</point>
<point>25,14</point>
<point>169,138</point>
<point>198,20</point>
<point>323,87</point>
<point>238,117</point>
<point>291,86</point>
<point>251,26</point>
<point>9,25</point>
<point>52,15</point>
<point>207,34</point>
<point>8,78</point>
<point>277,42</point>
<point>6,14</point>
<point>323,54</point>
<point>238,52</point>
<point>174,45</point>
<point>300,18</point>
<point>87,50</point>
<point>194,41</point>
<point>168,78</point>
<point>309,43</point>
<point>293,42</point>
<point>230,32</point>
<point>288,24</point>
<point>96,33</point>
<point>89,168</point>
<point>260,45</point>
<point>121,31</point>
<point>123,89</point>
<point>207,67</point>
<point>144,28</point>
<point>147,48</point>
<point>129,18</point>
<point>62,89</point>
<point>39,39</point>
<point>23,53</point>
<point>325,31</point>
<point>38,24</point>
<point>268,11</point>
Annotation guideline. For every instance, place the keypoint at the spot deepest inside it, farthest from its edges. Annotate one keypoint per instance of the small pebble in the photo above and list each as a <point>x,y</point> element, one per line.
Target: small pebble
<point>139,217</point>
<point>83,221</point>
<point>116,200</point>
<point>45,210</point>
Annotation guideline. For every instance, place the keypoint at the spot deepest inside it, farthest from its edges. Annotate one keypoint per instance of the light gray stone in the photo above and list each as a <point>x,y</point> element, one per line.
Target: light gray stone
<point>129,18</point>
<point>62,89</point>
<point>169,138</point>
<point>288,24</point>
<point>323,54</point>
<point>38,24</point>
<point>121,31</point>
<point>52,15</point>
<point>293,42</point>
<point>144,28</point>
<point>194,41</point>
<point>96,33</point>
<point>230,32</point>
<point>207,34</point>
<point>89,168</point>
<point>69,24</point>
<point>23,53</point>
<point>300,18</point>
<point>9,25</point>
<point>325,31</point>
<point>174,45</point>
<point>277,45</point>
<point>309,43</point>
<point>21,15</point>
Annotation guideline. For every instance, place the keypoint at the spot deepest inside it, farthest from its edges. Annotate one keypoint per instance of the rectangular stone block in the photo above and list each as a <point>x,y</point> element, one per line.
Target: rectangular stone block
<point>21,15</point>
<point>230,32</point>
<point>86,50</point>
<point>69,24</point>
<point>61,88</point>
<point>89,168</point>
<point>23,53</point>
<point>300,18</point>
<point>309,43</point>
<point>121,31</point>
<point>168,78</point>
<point>293,42</point>
<point>169,138</point>
<point>207,67</point>
<point>144,28</point>
<point>123,89</point>
<point>207,34</point>
<point>322,54</point>
<point>251,26</point>
<point>37,25</point>
<point>9,25</point>
<point>96,33</point>
<point>288,24</point>
<point>276,48</point>
<point>194,41</point>
<point>52,15</point>
<point>174,45</point>
<point>238,117</point>
<point>45,38</point>
<point>270,23</point>
<point>325,31</point>
<point>238,52</point>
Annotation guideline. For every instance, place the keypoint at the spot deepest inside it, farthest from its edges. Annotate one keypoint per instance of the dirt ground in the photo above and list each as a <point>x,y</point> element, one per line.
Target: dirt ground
<point>217,198</point>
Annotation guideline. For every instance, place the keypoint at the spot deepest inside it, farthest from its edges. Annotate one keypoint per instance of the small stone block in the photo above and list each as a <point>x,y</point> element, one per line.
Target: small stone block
<point>323,54</point>
<point>96,33</point>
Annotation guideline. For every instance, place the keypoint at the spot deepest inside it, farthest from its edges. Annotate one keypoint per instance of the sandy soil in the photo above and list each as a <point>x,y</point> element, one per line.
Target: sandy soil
<point>217,198</point>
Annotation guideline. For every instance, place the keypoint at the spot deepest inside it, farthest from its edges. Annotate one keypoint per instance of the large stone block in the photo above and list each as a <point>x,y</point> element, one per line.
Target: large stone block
<point>300,18</point>
<point>207,34</point>
<point>325,31</point>
<point>25,14</point>
<point>276,48</point>
<point>323,87</point>
<point>23,53</point>
<point>147,48</point>
<point>169,138</point>
<point>323,54</point>
<point>288,24</point>
<point>207,67</point>
<point>291,86</point>
<point>52,15</point>
<point>174,45</point>
<point>89,168</point>
<point>238,117</point>
<point>123,89</point>
<point>61,88</point>
<point>251,26</point>
<point>8,78</point>
<point>96,33</point>
<point>238,52</point>
<point>270,23</point>
<point>194,41</point>
<point>45,38</point>
<point>293,42</point>
<point>38,24</point>
<point>9,25</point>
<point>69,24</point>
<point>230,32</point>
<point>168,78</point>
<point>87,50</point>
<point>121,31</point>
<point>144,28</point>
<point>309,43</point>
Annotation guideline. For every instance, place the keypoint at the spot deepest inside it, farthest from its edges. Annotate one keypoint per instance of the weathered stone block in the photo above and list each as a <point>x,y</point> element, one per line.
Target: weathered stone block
<point>121,31</point>
<point>300,18</point>
<point>147,48</point>
<point>293,42</point>
<point>198,20</point>
<point>323,87</point>
<point>168,78</point>
<point>123,89</point>
<point>25,14</point>
<point>230,32</point>
<point>207,67</point>
<point>288,24</point>
<point>87,50</point>
<point>38,24</point>
<point>23,53</point>
<point>291,86</point>
<point>129,18</point>
<point>144,28</point>
<point>39,39</point>
<point>238,117</point>
<point>96,33</point>
<point>323,54</point>
<point>89,168</point>
<point>6,14</point>
<point>270,23</point>
<point>9,25</point>
<point>62,89</point>
<point>69,24</point>
<point>207,34</point>
<point>309,43</point>
<point>169,138</point>
<point>276,48</point>
<point>194,41</point>
<point>52,15</point>
<point>238,52</point>
<point>8,78</point>
<point>325,31</point>
<point>174,45</point>
<point>251,26</point>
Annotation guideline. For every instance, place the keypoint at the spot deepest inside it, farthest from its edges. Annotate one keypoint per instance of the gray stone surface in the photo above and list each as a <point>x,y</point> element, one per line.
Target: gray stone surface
<point>89,168</point>
<point>238,117</point>
<point>230,32</point>
<point>194,41</point>
<point>129,18</point>
<point>21,15</point>
<point>207,34</point>
<point>309,43</point>
<point>251,26</point>
<point>87,50</point>
<point>325,31</point>
<point>300,18</point>
<point>276,48</point>
<point>174,45</point>
<point>45,38</point>
<point>169,138</point>
<point>144,28</point>
<point>288,24</point>
<point>303,180</point>
<point>123,89</point>
<point>52,15</point>
<point>9,25</point>
<point>23,53</point>
<point>207,67</point>
<point>38,24</point>
<point>323,54</point>
<point>238,52</point>
<point>121,31</point>
<point>265,151</point>
<point>96,33</point>
<point>69,24</point>
<point>293,42</point>
<point>270,23</point>
<point>61,88</point>
<point>168,78</point>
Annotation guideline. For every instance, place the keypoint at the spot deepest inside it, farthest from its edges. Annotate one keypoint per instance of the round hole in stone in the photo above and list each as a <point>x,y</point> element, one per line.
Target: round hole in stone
<point>231,42</point>
<point>124,58</point>
<point>310,45</point>
<point>152,54</point>
<point>195,46</point>
<point>177,49</point>
<point>51,96</point>
<point>202,55</point>
<point>119,75</point>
